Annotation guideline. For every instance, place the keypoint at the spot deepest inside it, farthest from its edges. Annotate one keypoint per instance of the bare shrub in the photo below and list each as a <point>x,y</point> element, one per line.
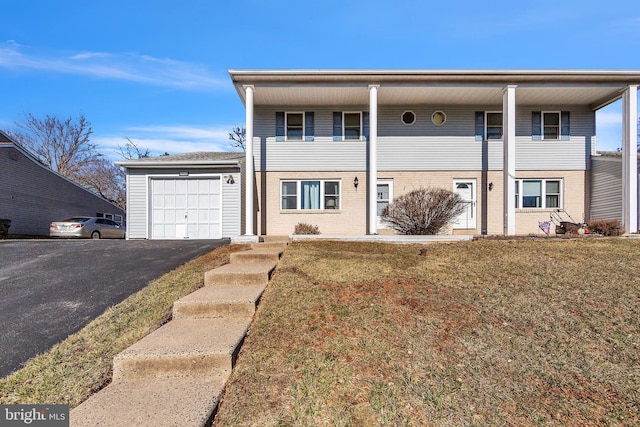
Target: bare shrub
<point>303,228</point>
<point>606,227</point>
<point>423,211</point>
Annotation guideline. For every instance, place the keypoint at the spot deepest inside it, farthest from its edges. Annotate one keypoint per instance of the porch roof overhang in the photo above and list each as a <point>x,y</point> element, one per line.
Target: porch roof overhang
<point>592,88</point>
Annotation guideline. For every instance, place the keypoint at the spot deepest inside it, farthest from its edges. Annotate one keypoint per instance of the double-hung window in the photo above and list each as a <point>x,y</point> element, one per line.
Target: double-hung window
<point>538,193</point>
<point>352,125</point>
<point>295,126</point>
<point>493,125</point>
<point>310,195</point>
<point>551,125</point>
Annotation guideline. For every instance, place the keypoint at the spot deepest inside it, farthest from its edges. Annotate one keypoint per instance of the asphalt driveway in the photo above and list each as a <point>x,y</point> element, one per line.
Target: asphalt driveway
<point>50,289</point>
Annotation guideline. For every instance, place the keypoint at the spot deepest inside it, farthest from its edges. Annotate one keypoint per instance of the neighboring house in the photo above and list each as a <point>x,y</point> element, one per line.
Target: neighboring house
<point>333,147</point>
<point>32,195</point>
<point>195,196</point>
<point>606,185</point>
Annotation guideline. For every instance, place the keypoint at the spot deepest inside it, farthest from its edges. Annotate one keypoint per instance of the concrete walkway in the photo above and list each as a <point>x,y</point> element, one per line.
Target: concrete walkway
<point>175,375</point>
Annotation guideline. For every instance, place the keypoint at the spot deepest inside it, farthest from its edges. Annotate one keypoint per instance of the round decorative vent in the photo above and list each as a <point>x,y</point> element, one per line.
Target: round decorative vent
<point>408,117</point>
<point>438,118</point>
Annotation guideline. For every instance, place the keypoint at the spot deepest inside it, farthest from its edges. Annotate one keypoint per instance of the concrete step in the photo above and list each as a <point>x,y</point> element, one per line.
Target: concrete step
<point>188,401</point>
<point>232,301</point>
<point>240,274</point>
<point>274,239</point>
<point>275,246</point>
<point>256,255</point>
<point>183,346</point>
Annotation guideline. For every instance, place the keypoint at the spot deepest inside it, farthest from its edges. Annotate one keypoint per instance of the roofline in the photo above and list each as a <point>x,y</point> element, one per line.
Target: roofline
<point>34,159</point>
<point>510,76</point>
<point>156,164</point>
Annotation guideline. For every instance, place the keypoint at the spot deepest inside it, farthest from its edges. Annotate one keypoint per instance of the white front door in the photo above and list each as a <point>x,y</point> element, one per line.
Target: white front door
<point>466,188</point>
<point>186,208</point>
<point>385,196</point>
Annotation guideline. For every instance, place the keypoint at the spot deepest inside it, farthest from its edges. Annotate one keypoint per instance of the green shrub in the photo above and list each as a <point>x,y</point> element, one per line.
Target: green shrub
<point>606,227</point>
<point>303,228</point>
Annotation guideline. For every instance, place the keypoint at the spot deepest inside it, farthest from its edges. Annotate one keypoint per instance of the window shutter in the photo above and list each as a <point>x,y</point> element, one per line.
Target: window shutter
<point>536,125</point>
<point>280,126</point>
<point>308,126</point>
<point>565,130</point>
<point>479,125</point>
<point>337,126</point>
<point>365,125</point>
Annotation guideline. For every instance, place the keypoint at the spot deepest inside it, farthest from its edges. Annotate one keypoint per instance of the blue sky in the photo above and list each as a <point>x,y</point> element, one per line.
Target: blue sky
<point>156,71</point>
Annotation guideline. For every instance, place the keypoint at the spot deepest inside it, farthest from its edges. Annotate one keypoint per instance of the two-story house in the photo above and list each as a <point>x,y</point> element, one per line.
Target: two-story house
<point>333,147</point>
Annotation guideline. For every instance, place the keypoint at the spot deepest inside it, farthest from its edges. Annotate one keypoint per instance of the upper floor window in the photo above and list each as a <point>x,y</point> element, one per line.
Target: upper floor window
<point>352,123</point>
<point>493,125</point>
<point>295,126</point>
<point>550,125</point>
<point>538,193</point>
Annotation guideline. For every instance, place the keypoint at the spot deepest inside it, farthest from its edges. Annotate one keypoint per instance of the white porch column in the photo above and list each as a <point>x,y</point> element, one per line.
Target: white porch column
<point>373,159</point>
<point>509,166</point>
<point>630,159</point>
<point>249,167</point>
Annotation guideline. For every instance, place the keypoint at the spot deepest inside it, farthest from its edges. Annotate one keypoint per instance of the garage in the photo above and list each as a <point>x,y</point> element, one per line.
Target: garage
<point>185,196</point>
<point>185,208</point>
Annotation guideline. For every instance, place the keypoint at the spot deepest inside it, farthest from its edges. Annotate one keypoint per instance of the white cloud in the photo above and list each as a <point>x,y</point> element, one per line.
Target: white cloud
<point>609,119</point>
<point>130,67</point>
<point>171,139</point>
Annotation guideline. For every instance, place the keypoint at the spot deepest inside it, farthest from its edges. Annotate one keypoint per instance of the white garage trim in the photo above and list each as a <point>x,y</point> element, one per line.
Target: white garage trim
<point>186,207</point>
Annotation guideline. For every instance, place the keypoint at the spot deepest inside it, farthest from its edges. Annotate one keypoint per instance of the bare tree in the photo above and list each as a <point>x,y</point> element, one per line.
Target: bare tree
<point>61,145</point>
<point>106,179</point>
<point>423,211</point>
<point>238,137</point>
<point>131,151</point>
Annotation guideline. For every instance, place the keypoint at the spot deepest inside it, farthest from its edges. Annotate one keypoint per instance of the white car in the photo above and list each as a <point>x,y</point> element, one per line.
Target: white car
<point>87,227</point>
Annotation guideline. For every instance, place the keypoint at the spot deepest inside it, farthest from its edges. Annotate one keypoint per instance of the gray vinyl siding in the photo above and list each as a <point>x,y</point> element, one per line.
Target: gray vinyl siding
<point>423,145</point>
<point>231,205</point>
<point>33,196</point>
<point>606,188</point>
<point>138,215</point>
<point>137,202</point>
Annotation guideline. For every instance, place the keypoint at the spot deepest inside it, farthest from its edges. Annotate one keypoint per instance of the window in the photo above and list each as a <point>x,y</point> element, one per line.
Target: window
<point>438,118</point>
<point>494,125</point>
<point>384,190</point>
<point>310,195</point>
<point>289,195</point>
<point>295,126</point>
<point>552,194</point>
<point>408,117</point>
<point>551,125</point>
<point>352,125</point>
<point>538,193</point>
<point>331,195</point>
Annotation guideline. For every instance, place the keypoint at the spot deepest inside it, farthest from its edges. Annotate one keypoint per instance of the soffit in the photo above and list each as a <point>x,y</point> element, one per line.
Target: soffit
<point>593,96</point>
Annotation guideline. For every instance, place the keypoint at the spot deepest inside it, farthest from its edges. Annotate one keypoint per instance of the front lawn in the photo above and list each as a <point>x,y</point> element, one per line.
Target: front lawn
<point>474,333</point>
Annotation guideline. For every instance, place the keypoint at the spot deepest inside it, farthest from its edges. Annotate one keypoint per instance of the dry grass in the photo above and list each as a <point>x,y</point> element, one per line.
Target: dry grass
<point>81,365</point>
<point>476,333</point>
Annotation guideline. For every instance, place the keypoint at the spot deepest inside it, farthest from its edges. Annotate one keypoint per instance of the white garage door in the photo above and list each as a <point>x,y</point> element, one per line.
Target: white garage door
<point>185,208</point>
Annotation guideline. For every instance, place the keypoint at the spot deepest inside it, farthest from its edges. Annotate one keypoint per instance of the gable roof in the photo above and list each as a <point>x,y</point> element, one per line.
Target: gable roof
<point>594,88</point>
<point>200,159</point>
<point>6,142</point>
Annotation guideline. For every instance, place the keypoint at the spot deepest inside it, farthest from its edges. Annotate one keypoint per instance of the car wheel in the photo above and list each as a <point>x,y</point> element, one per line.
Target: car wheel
<point>95,235</point>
